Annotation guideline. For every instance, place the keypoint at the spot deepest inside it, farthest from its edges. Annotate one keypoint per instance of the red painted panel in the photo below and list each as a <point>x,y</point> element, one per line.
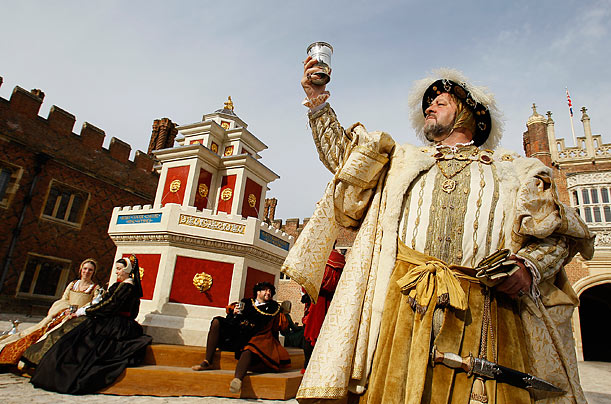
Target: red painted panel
<point>252,196</point>
<point>183,290</point>
<point>254,276</point>
<point>200,141</point>
<point>150,265</point>
<point>227,193</point>
<point>203,189</point>
<point>175,185</point>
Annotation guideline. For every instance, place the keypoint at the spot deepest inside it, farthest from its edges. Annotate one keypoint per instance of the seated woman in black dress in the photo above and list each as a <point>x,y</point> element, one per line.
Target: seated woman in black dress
<point>96,352</point>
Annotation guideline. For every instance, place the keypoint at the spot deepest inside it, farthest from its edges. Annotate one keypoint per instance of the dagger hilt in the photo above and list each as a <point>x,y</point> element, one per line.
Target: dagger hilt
<point>452,360</point>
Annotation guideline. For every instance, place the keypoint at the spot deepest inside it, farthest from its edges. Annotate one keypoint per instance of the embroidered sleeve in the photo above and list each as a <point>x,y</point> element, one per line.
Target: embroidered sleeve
<point>547,256</point>
<point>547,234</point>
<point>540,214</point>
<point>330,139</point>
<point>356,156</point>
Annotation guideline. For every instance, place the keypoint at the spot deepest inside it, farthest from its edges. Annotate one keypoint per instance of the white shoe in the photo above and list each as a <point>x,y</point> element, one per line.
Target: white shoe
<point>235,386</point>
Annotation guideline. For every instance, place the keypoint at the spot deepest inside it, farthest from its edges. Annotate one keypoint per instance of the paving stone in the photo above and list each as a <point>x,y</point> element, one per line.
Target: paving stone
<point>16,389</point>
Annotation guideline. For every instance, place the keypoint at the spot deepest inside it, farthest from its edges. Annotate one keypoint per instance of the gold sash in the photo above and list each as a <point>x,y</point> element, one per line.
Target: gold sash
<point>430,275</point>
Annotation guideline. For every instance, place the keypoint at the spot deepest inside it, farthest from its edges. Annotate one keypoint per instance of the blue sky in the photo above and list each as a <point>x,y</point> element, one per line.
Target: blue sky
<point>122,64</point>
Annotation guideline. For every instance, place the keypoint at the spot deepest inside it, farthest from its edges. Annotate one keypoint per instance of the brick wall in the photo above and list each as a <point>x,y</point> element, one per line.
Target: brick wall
<point>78,161</point>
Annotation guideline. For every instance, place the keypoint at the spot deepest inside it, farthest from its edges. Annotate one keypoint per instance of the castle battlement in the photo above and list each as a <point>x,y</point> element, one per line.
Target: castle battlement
<point>54,136</point>
<point>581,151</point>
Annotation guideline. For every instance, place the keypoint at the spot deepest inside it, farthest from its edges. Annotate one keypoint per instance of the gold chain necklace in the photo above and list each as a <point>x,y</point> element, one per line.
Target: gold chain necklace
<point>450,164</point>
<point>262,312</point>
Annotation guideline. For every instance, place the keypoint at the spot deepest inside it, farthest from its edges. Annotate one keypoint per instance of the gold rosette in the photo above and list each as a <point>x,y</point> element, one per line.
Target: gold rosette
<point>202,281</point>
<point>226,194</point>
<point>252,200</point>
<point>202,189</point>
<point>175,186</point>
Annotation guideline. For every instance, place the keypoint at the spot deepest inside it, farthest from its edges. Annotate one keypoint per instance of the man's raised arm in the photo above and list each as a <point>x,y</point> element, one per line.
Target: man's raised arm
<point>330,139</point>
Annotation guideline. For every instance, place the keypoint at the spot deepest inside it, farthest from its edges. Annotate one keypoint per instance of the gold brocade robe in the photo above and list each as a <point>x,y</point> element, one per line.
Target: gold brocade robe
<point>378,187</point>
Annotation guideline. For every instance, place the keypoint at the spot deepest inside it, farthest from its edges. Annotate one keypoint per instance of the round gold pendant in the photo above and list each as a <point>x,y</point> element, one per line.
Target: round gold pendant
<point>448,185</point>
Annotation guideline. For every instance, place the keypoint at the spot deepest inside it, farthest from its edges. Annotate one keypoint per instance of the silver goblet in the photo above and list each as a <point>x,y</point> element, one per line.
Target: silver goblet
<point>321,51</point>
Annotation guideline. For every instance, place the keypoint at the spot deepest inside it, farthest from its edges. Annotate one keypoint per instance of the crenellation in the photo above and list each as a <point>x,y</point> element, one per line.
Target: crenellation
<point>119,150</point>
<point>38,92</point>
<point>113,165</point>
<point>92,136</point>
<point>143,161</point>
<point>61,121</point>
<point>24,102</point>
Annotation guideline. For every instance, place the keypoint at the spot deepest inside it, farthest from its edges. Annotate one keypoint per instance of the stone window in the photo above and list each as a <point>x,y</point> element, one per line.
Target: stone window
<point>65,204</point>
<point>593,204</point>
<point>43,276</point>
<point>9,182</point>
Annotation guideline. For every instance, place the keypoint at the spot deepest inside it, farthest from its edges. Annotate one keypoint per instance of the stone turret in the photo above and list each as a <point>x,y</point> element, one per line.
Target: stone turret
<point>536,141</point>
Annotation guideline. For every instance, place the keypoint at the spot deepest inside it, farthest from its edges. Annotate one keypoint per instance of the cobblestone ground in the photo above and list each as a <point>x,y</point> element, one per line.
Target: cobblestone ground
<point>595,379</point>
<point>16,389</point>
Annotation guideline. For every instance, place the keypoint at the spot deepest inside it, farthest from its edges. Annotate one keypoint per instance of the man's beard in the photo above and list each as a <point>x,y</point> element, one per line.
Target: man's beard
<point>435,131</point>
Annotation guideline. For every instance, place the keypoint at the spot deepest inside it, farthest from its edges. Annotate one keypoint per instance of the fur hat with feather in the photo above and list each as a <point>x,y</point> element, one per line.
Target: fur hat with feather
<point>480,94</point>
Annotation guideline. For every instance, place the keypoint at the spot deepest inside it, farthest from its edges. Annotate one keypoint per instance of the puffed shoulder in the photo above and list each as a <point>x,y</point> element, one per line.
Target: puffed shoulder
<point>524,167</point>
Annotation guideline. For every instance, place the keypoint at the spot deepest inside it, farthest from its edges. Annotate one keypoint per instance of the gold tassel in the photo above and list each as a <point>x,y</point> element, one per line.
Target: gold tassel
<point>478,392</point>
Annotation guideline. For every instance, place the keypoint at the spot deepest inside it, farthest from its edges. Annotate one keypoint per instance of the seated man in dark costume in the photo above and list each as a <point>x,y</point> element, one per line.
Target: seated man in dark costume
<point>250,329</point>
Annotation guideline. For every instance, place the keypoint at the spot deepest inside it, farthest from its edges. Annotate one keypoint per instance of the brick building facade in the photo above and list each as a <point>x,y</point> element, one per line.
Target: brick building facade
<point>57,193</point>
<point>582,176</point>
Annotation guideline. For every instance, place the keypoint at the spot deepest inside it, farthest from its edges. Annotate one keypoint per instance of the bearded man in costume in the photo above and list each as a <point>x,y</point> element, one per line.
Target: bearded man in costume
<point>427,216</point>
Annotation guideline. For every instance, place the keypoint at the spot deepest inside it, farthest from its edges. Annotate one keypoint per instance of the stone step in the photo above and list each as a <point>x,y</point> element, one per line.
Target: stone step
<point>167,381</point>
<point>186,356</point>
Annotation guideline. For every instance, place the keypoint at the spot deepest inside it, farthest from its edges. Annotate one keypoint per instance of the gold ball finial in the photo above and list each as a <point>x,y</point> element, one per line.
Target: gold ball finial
<point>229,104</point>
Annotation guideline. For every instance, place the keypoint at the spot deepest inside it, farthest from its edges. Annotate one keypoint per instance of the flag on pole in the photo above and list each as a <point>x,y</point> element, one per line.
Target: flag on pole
<point>568,98</point>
